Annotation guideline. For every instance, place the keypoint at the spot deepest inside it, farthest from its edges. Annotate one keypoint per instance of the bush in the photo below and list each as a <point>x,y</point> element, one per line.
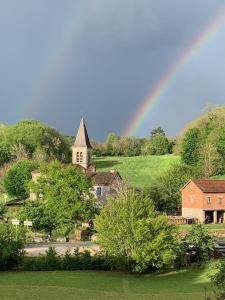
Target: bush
<point>11,246</point>
<point>218,281</point>
<point>74,261</point>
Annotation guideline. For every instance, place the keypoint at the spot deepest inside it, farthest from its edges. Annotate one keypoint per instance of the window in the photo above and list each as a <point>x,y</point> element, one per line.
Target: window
<point>81,156</point>
<point>78,157</point>
<point>209,200</point>
<point>99,191</point>
<point>220,200</point>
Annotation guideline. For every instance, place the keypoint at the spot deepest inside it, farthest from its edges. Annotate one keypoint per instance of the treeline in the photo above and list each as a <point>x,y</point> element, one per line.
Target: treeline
<point>202,143</point>
<point>157,144</point>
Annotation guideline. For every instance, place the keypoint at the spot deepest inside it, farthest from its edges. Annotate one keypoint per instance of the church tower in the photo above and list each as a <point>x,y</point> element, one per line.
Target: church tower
<point>82,149</point>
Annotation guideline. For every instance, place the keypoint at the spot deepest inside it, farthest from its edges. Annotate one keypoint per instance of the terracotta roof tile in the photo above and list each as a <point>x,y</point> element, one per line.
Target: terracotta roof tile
<point>211,186</point>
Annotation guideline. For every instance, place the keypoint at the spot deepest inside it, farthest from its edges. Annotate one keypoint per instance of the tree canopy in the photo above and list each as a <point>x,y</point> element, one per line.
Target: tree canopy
<point>63,197</point>
<point>129,227</point>
<point>33,136</point>
<point>16,181</point>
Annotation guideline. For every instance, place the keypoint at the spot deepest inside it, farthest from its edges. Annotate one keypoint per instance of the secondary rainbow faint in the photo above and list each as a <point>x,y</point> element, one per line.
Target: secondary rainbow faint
<point>160,88</point>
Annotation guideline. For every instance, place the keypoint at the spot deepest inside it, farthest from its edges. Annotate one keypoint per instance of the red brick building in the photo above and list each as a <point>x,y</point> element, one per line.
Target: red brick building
<point>204,200</point>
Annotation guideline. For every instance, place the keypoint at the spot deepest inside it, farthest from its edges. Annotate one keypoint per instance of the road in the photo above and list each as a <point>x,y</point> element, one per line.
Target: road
<point>61,248</point>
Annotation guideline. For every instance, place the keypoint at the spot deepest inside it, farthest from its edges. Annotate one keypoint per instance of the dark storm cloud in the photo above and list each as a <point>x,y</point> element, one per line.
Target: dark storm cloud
<point>61,60</point>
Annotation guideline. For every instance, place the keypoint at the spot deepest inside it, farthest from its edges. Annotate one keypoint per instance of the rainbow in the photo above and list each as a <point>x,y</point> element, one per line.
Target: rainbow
<point>160,88</point>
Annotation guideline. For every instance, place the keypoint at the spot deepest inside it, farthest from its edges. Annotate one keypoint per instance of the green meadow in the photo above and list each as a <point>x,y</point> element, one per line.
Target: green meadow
<point>139,171</point>
<point>183,284</point>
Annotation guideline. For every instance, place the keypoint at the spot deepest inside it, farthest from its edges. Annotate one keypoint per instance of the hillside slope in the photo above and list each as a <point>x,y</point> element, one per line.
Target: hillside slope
<point>139,171</point>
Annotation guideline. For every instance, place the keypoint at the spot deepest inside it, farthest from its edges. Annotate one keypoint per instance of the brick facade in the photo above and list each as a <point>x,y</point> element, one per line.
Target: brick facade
<point>204,200</point>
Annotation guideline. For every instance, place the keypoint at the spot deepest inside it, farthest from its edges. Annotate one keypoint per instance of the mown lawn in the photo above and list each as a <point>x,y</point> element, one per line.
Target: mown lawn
<point>139,171</point>
<point>210,227</point>
<point>183,284</point>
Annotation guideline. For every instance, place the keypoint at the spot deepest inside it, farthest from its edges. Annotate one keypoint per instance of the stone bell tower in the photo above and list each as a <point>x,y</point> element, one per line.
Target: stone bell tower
<point>82,149</point>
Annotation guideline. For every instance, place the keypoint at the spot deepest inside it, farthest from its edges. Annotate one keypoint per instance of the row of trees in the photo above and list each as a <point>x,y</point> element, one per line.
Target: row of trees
<point>157,144</point>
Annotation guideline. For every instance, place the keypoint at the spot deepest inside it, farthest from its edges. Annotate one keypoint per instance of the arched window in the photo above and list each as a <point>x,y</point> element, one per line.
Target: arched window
<point>81,156</point>
<point>78,157</point>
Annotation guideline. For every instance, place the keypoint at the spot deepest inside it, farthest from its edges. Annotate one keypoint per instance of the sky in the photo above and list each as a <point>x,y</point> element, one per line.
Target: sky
<point>61,60</point>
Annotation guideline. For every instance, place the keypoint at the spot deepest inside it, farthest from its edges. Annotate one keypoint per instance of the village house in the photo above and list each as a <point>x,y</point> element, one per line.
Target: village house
<point>204,200</point>
<point>82,153</point>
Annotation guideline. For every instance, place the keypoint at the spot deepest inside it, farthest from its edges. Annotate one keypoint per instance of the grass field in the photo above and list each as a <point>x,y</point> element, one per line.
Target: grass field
<point>139,171</point>
<point>210,227</point>
<point>184,284</point>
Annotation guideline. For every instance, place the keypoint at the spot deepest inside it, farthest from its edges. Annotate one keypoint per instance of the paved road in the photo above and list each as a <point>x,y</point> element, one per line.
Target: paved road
<point>61,248</point>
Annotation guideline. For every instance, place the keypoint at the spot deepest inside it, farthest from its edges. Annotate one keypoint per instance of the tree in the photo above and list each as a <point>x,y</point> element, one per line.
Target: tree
<point>201,241</point>
<point>190,147</point>
<point>218,281</point>
<point>159,145</point>
<point>165,191</point>
<point>112,138</point>
<point>18,177</point>
<point>32,135</point>
<point>157,131</point>
<point>129,227</point>
<point>5,155</point>
<point>64,194</point>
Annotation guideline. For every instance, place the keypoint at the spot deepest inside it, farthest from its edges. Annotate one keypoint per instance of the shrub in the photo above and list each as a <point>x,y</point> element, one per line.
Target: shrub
<point>218,281</point>
<point>11,246</point>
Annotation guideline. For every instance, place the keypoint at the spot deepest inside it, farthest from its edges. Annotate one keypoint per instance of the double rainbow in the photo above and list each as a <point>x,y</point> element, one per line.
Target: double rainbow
<point>160,88</point>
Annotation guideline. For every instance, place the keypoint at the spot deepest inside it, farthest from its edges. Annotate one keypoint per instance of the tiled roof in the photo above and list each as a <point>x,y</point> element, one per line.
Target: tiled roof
<point>105,178</point>
<point>211,186</point>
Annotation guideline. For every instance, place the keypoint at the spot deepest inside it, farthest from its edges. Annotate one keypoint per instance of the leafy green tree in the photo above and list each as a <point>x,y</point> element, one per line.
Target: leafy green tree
<point>190,147</point>
<point>32,135</point>
<point>129,227</point>
<point>111,141</point>
<point>17,179</point>
<point>218,281</point>
<point>159,145</point>
<point>201,241</point>
<point>5,155</point>
<point>44,217</point>
<point>64,193</point>
<point>157,131</point>
<point>165,191</point>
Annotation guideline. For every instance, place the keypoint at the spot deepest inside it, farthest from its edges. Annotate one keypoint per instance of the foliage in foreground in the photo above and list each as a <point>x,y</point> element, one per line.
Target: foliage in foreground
<point>63,198</point>
<point>129,227</point>
<point>201,242</point>
<point>51,261</point>
<point>11,246</point>
<point>218,281</point>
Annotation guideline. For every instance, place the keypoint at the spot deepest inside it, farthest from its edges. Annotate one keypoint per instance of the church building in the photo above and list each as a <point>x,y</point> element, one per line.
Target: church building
<point>82,153</point>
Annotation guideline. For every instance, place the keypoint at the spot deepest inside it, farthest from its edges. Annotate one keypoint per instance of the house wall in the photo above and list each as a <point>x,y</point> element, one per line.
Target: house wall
<point>215,203</point>
<point>192,197</point>
<point>193,213</point>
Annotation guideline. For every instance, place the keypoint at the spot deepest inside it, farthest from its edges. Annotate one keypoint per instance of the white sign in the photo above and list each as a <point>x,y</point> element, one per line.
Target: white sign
<point>28,223</point>
<point>16,222</point>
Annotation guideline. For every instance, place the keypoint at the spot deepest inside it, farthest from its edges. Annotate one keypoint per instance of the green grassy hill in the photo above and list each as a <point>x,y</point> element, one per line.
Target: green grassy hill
<point>139,171</point>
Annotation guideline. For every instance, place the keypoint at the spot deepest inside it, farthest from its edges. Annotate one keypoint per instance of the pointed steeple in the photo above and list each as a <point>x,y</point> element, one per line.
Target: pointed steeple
<point>82,139</point>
